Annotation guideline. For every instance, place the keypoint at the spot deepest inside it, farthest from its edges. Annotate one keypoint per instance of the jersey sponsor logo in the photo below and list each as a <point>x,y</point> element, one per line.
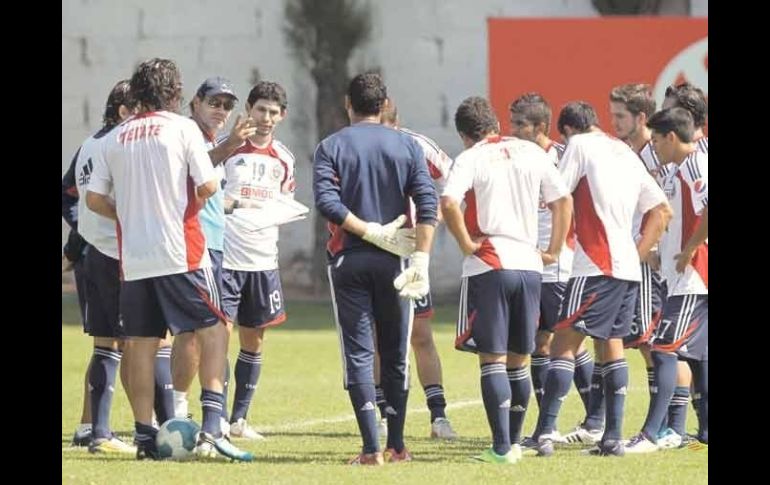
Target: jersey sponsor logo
<point>258,193</point>
<point>699,186</point>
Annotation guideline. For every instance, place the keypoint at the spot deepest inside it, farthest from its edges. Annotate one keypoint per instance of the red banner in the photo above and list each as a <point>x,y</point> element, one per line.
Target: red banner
<point>583,59</point>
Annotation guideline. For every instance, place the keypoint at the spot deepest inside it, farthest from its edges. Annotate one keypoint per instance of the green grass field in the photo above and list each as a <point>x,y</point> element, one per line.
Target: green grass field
<point>302,409</point>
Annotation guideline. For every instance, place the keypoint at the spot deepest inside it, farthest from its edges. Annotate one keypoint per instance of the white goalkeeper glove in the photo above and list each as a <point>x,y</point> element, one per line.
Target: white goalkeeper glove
<point>389,237</point>
<point>413,282</point>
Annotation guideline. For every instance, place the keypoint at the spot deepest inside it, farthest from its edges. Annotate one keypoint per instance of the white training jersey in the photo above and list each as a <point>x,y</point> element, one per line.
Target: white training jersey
<point>98,230</point>
<point>439,164</point>
<point>559,271</point>
<point>501,179</point>
<point>257,174</point>
<point>686,187</point>
<point>154,162</point>
<point>608,185</point>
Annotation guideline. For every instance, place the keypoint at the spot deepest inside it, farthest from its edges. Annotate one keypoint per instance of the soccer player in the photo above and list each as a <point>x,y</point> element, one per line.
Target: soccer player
<point>683,333</point>
<point>608,184</point>
<point>257,172</point>
<point>210,108</point>
<point>425,354</point>
<point>363,177</point>
<point>95,246</point>
<point>157,165</point>
<point>531,120</point>
<point>501,180</point>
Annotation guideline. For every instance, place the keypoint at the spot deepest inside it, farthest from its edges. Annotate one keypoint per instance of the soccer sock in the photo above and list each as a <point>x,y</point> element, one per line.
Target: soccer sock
<point>225,384</point>
<point>181,405</point>
<point>557,386</point>
<point>434,395</point>
<point>496,394</point>
<point>211,403</point>
<point>101,382</point>
<point>145,435</point>
<point>362,397</point>
<point>539,370</point>
<point>584,368</point>
<point>662,390</point>
<point>595,415</point>
<point>247,369</point>
<point>521,388</point>
<point>397,394</point>
<point>677,409</point>
<point>700,378</point>
<point>615,389</point>
<point>382,403</point>
<point>164,388</point>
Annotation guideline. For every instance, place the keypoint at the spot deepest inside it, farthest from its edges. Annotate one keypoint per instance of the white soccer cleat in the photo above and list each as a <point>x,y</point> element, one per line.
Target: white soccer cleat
<point>441,429</point>
<point>241,429</point>
<point>640,444</point>
<point>224,426</point>
<point>583,435</point>
<point>669,439</point>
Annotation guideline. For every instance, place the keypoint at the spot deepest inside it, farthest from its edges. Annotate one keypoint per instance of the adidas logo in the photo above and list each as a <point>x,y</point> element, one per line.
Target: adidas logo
<point>623,391</point>
<point>561,398</point>
<point>518,409</point>
<point>368,406</point>
<point>505,404</point>
<point>251,386</point>
<point>580,324</point>
<point>653,389</point>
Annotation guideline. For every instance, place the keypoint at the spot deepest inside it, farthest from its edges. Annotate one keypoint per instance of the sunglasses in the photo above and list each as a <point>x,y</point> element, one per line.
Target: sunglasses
<point>228,105</point>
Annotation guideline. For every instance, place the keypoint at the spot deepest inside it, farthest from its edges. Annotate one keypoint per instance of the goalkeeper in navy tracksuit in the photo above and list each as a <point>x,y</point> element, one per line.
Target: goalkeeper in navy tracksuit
<point>363,177</point>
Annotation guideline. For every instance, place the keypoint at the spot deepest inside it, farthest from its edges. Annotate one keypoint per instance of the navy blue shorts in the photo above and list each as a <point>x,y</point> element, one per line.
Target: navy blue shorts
<point>80,289</point>
<point>551,297</point>
<point>648,309</point>
<point>254,297</point>
<point>684,328</point>
<point>182,302</point>
<point>599,306</point>
<point>362,290</point>
<point>498,312</point>
<point>423,307</point>
<point>102,289</point>
<point>216,268</point>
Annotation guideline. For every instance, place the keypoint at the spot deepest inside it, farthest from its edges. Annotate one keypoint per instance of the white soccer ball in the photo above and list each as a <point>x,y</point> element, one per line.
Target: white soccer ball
<point>176,439</point>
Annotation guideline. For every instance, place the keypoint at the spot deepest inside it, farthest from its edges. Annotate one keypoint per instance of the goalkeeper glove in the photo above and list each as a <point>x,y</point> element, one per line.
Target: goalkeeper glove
<point>389,237</point>
<point>413,282</point>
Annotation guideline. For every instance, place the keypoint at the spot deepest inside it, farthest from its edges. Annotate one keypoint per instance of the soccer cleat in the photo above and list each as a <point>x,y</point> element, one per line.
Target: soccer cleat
<point>583,435</point>
<point>668,439</point>
<point>147,450</point>
<point>489,456</point>
<point>607,448</point>
<point>640,444</point>
<point>110,445</point>
<point>693,443</point>
<point>241,429</point>
<point>368,459</point>
<point>82,438</point>
<point>392,456</point>
<point>223,446</point>
<point>441,429</point>
<point>205,450</point>
<point>528,446</point>
<point>224,426</point>
<point>382,428</point>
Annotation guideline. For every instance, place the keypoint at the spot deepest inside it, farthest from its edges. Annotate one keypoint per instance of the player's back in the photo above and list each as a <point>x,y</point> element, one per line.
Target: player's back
<point>607,181</point>
<point>150,159</point>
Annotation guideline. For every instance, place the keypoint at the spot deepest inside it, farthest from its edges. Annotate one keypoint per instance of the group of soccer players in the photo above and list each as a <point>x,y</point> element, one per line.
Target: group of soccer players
<point>602,237</point>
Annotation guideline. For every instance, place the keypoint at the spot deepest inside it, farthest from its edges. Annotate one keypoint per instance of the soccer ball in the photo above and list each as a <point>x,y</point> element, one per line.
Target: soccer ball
<point>176,439</point>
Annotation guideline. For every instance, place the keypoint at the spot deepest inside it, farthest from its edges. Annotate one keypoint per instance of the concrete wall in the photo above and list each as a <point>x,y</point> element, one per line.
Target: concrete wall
<point>432,53</point>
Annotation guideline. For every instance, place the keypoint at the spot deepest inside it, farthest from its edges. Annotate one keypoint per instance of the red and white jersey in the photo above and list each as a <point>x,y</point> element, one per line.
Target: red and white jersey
<point>154,162</point>
<point>687,190</point>
<point>98,230</point>
<point>257,174</point>
<point>501,179</point>
<point>560,270</point>
<point>608,185</point>
<point>439,164</point>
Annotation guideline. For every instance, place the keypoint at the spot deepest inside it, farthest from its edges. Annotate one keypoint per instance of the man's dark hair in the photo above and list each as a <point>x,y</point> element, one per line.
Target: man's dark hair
<point>120,95</point>
<point>157,85</point>
<point>676,119</point>
<point>475,118</point>
<point>578,115</point>
<point>637,98</point>
<point>367,93</point>
<point>270,91</point>
<point>534,108</point>
<point>692,99</point>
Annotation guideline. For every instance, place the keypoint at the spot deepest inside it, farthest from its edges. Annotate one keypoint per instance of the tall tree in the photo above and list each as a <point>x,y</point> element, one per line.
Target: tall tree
<point>322,36</point>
